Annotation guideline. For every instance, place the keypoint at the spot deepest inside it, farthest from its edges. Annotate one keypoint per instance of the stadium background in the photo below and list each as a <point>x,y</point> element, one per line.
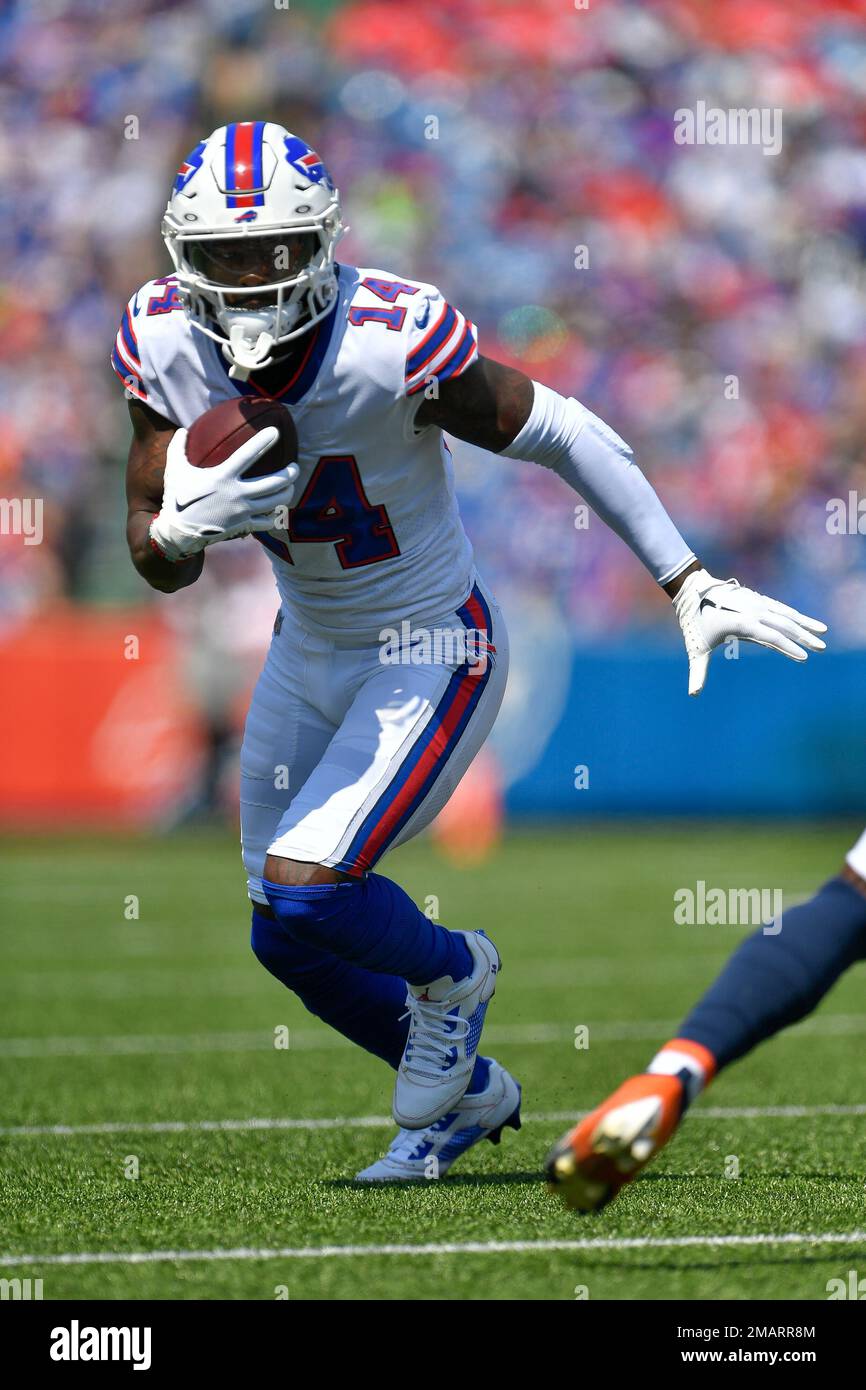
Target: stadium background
<point>552,130</point>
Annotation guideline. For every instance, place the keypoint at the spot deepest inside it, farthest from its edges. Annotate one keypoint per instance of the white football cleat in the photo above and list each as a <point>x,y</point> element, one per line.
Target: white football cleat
<point>445,1022</point>
<point>429,1153</point>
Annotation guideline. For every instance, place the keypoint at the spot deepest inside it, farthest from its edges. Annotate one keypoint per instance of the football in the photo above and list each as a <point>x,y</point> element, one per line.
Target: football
<point>215,435</point>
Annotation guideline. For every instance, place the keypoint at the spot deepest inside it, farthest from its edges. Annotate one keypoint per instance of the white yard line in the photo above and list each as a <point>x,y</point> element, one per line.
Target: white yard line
<point>564,1117</point>
<point>317,1039</point>
<point>488,1247</point>
<point>150,1044</point>
<point>160,981</point>
<point>197,1126</point>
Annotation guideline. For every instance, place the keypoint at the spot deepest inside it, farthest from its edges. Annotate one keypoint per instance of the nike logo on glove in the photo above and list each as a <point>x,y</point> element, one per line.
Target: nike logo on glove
<point>182,506</point>
<point>711,603</point>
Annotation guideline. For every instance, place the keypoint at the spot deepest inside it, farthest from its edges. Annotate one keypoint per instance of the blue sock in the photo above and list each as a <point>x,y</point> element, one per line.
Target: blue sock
<point>371,922</point>
<point>480,1073</point>
<point>361,1005</point>
<point>772,981</point>
<point>365,1007</point>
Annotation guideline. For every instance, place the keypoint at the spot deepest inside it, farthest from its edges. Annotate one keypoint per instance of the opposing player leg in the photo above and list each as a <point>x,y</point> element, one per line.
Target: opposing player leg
<point>409,734</point>
<point>770,982</point>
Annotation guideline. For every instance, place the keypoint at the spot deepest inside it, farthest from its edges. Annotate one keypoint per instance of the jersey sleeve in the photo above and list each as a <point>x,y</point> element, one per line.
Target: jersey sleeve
<point>440,343</point>
<point>145,346</point>
<point>126,355</point>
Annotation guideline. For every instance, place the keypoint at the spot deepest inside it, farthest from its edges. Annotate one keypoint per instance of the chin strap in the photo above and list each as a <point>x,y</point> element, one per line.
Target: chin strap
<point>243,358</point>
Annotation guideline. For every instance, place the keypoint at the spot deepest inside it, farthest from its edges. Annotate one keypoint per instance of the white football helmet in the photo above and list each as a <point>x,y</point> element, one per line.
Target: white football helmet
<point>251,226</point>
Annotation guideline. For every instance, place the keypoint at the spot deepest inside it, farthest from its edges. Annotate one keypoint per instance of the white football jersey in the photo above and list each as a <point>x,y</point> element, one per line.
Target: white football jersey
<point>374,535</point>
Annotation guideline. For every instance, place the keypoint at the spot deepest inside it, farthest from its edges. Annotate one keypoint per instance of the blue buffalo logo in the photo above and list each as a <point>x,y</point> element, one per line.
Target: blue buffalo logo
<point>190,166</point>
<point>305,161</point>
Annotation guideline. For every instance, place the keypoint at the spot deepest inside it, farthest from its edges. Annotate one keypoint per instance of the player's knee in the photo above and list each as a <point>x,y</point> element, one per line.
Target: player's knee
<point>295,873</point>
<point>313,911</point>
<point>297,964</point>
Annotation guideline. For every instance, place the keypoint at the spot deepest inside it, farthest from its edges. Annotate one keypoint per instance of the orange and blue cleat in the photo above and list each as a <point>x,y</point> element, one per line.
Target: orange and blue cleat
<point>614,1142</point>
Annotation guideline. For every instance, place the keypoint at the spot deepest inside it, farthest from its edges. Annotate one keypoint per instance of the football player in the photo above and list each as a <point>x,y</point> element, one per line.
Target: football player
<point>347,752</point>
<point>771,981</point>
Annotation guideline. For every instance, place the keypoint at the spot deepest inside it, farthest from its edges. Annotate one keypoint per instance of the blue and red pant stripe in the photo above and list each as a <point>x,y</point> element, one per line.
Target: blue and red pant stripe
<point>431,752</point>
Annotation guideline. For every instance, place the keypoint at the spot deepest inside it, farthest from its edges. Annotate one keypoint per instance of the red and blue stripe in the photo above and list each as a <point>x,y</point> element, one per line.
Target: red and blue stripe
<point>430,345</point>
<point>453,365</point>
<point>429,755</point>
<point>126,357</point>
<point>130,342</point>
<point>244,165</point>
<point>131,379</point>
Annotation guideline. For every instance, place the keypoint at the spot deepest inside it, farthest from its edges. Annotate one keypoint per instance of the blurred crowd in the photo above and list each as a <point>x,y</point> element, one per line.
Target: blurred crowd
<point>708,301</point>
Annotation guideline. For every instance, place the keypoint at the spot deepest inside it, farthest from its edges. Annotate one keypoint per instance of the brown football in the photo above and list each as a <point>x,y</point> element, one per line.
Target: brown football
<point>222,429</point>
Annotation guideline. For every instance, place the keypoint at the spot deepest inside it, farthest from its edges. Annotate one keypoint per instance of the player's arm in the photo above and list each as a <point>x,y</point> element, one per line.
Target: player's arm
<point>503,410</point>
<point>494,406</point>
<point>145,477</point>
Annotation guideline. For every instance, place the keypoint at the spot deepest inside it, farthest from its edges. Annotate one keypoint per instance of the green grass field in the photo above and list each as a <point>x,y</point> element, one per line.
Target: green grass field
<point>114,1027</point>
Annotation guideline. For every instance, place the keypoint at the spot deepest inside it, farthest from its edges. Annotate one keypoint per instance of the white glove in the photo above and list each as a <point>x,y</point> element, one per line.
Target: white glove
<point>204,505</point>
<point>711,610</point>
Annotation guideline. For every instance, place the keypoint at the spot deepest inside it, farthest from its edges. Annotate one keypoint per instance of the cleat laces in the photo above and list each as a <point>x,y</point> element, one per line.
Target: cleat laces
<point>432,1035</point>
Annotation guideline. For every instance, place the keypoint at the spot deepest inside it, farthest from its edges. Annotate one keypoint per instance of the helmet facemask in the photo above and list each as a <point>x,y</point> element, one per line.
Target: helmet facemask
<point>254,290</point>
